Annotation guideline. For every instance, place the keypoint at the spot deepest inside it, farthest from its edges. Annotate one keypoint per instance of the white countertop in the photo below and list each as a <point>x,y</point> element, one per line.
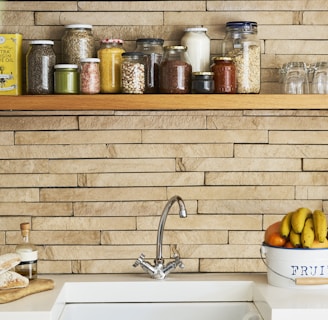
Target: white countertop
<point>273,303</point>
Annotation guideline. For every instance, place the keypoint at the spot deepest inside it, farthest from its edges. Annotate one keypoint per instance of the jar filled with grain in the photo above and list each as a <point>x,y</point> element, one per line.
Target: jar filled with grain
<point>175,70</point>
<point>224,75</point>
<point>77,43</point>
<point>89,76</point>
<point>40,62</point>
<point>133,72</point>
<point>153,50</point>
<point>66,79</point>
<point>241,44</point>
<point>110,55</point>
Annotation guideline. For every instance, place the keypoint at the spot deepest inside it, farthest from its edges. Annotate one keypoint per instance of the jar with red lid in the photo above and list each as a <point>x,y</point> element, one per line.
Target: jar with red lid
<point>224,70</point>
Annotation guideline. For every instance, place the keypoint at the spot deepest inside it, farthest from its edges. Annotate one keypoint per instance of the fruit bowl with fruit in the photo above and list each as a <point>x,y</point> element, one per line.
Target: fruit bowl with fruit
<point>295,250</point>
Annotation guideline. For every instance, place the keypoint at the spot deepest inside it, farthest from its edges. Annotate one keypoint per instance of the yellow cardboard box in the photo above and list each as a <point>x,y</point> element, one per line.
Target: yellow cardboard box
<point>11,64</point>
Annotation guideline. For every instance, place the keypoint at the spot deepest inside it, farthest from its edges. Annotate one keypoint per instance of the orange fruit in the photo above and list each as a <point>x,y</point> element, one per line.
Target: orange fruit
<point>316,244</point>
<point>272,235</point>
<point>289,245</point>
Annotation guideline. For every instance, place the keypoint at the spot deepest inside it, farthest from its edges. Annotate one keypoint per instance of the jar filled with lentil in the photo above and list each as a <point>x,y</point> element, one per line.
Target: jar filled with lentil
<point>89,76</point>
<point>175,70</point>
<point>40,62</point>
<point>110,55</point>
<point>66,79</point>
<point>241,43</point>
<point>202,82</point>
<point>224,70</point>
<point>133,72</point>
<point>77,43</point>
<point>153,50</point>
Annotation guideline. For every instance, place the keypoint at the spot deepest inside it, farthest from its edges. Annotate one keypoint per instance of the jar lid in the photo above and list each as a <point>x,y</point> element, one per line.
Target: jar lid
<point>90,60</point>
<point>222,58</point>
<point>203,73</point>
<point>66,66</point>
<point>179,48</point>
<point>112,41</point>
<point>245,26</point>
<point>78,26</point>
<point>151,40</point>
<point>196,29</point>
<point>50,42</point>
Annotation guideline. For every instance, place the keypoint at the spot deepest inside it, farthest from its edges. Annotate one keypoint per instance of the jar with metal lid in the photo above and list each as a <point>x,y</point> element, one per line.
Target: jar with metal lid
<point>133,72</point>
<point>175,70</point>
<point>153,50</point>
<point>110,55</point>
<point>199,44</point>
<point>77,43</point>
<point>66,79</point>
<point>40,62</point>
<point>241,43</point>
<point>89,76</point>
<point>224,75</point>
<point>202,82</point>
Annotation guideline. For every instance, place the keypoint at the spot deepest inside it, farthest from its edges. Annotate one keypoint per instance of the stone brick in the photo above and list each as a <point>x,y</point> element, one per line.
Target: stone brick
<point>19,195</point>
<point>6,138</point>
<point>232,265</point>
<point>23,166</point>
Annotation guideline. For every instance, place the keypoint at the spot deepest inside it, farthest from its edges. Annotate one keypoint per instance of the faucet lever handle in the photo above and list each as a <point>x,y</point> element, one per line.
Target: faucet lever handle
<point>139,260</point>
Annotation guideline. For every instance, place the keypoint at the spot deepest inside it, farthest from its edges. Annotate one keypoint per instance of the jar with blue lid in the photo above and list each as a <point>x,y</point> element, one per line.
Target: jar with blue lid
<point>67,79</point>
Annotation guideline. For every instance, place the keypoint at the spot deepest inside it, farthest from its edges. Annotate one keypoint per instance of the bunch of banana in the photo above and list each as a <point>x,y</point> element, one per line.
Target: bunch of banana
<point>302,227</point>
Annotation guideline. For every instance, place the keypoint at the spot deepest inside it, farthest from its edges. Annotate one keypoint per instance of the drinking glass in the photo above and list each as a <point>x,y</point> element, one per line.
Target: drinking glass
<point>296,79</point>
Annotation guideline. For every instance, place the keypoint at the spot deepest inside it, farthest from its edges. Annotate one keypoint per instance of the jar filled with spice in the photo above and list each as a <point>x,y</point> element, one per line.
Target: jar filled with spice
<point>241,43</point>
<point>224,75</point>
<point>153,50</point>
<point>133,72</point>
<point>175,70</point>
<point>89,76</point>
<point>202,82</point>
<point>40,62</point>
<point>77,43</point>
<point>66,79</point>
<point>110,55</point>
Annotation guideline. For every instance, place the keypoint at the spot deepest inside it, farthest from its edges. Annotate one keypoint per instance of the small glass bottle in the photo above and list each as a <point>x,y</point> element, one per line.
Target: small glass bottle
<point>66,79</point>
<point>40,61</point>
<point>77,43</point>
<point>133,72</point>
<point>28,254</point>
<point>153,50</point>
<point>241,43</point>
<point>202,82</point>
<point>224,75</point>
<point>175,70</point>
<point>90,76</point>
<point>199,46</point>
<point>110,55</point>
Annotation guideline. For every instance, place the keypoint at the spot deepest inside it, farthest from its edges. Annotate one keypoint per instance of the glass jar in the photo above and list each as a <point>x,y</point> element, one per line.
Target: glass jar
<point>66,78</point>
<point>224,75</point>
<point>202,82</point>
<point>241,43</point>
<point>89,76</point>
<point>153,50</point>
<point>175,70</point>
<point>320,78</point>
<point>77,43</point>
<point>295,78</point>
<point>110,55</point>
<point>40,62</point>
<point>133,72</point>
<point>199,46</point>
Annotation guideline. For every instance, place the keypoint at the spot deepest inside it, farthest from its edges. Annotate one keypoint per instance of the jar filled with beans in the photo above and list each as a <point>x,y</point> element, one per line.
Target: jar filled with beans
<point>77,43</point>
<point>175,70</point>
<point>133,72</point>
<point>110,55</point>
<point>89,76</point>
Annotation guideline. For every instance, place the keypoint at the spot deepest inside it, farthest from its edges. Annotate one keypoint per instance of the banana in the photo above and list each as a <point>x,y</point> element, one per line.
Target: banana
<point>320,225</point>
<point>307,235</point>
<point>295,239</point>
<point>298,219</point>
<point>286,225</point>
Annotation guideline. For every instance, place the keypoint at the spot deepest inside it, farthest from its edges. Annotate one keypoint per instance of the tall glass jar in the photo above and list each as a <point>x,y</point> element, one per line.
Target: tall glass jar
<point>40,62</point>
<point>89,76</point>
<point>77,43</point>
<point>153,50</point>
<point>133,72</point>
<point>175,70</point>
<point>199,44</point>
<point>241,43</point>
<point>110,55</point>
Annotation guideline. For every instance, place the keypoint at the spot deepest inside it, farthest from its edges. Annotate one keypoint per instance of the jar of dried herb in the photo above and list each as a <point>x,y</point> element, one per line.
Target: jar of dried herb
<point>40,62</point>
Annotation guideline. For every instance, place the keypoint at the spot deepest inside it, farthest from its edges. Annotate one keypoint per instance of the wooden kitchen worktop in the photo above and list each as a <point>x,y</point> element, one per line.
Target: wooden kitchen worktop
<point>163,102</point>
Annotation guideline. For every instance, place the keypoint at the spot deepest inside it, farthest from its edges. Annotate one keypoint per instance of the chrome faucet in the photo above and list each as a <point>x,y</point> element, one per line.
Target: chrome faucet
<point>159,270</point>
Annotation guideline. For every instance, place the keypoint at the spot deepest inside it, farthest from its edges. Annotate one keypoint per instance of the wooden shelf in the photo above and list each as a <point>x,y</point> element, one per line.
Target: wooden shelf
<point>163,102</point>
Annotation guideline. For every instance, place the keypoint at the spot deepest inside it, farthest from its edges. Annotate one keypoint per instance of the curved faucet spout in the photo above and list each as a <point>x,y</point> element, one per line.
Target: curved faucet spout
<point>182,214</point>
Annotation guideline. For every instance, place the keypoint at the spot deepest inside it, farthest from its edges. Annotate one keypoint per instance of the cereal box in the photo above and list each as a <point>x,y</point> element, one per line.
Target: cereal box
<point>11,64</point>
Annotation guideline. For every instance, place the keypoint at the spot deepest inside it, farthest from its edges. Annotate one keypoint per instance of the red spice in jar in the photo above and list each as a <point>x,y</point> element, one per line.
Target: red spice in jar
<point>90,76</point>
<point>224,75</point>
